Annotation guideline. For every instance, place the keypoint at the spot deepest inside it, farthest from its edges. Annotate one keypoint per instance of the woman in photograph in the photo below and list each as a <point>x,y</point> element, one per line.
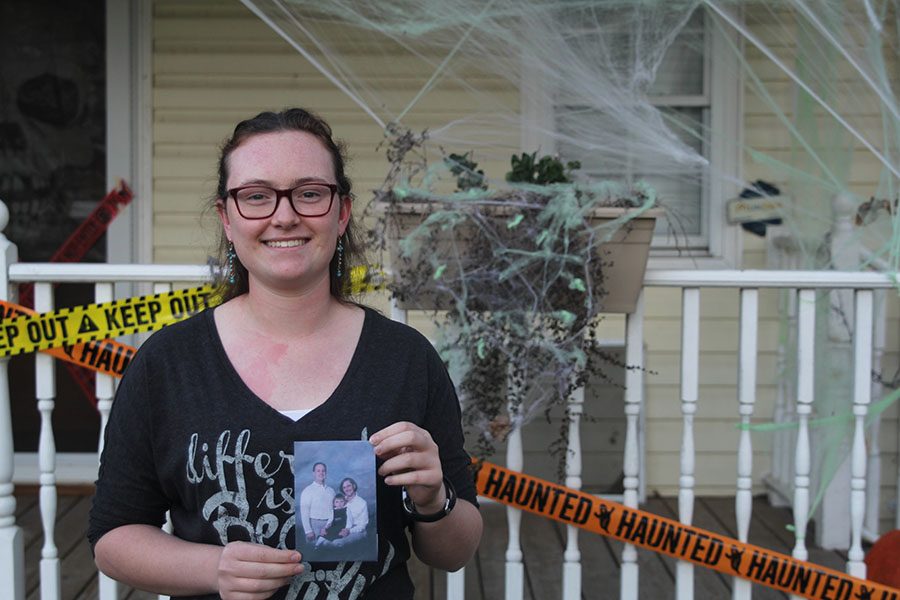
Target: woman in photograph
<point>205,418</point>
<point>356,508</point>
<point>357,516</point>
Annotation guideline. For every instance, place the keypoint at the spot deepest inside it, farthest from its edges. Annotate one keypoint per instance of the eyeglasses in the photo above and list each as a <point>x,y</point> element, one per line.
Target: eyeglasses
<point>261,202</point>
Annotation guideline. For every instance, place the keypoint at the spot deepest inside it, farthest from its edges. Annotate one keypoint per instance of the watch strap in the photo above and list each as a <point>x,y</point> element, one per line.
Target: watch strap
<point>410,508</point>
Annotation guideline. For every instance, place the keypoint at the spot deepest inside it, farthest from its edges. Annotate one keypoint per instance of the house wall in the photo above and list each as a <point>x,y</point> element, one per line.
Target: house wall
<point>765,133</point>
<point>216,63</point>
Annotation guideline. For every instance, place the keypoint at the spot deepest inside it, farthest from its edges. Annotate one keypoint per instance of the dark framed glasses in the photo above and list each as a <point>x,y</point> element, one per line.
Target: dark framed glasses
<point>261,202</point>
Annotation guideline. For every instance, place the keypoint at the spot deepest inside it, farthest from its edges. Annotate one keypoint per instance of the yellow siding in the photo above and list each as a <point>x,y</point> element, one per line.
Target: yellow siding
<point>215,63</point>
<point>765,133</point>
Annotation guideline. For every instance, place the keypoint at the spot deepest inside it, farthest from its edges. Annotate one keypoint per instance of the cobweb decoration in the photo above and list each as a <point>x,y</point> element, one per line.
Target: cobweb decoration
<point>624,87</point>
<point>519,272</point>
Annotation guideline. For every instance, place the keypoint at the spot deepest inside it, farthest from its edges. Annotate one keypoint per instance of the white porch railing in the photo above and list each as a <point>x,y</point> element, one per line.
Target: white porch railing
<point>690,282</point>
<point>104,277</point>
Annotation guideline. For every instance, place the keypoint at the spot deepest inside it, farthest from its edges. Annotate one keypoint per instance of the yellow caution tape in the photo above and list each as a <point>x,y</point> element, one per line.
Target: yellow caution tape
<point>67,327</point>
<point>93,322</point>
<point>667,536</point>
<point>363,280</point>
<point>107,356</point>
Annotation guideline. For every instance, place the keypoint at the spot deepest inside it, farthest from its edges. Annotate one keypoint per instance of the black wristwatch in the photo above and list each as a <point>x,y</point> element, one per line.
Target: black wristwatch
<point>415,515</point>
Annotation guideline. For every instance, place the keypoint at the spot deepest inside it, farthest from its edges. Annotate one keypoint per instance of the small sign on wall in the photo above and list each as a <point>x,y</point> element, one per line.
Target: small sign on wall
<point>763,208</point>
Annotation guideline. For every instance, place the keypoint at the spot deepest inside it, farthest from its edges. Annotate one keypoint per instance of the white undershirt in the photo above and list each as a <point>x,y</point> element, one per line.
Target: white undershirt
<point>296,415</point>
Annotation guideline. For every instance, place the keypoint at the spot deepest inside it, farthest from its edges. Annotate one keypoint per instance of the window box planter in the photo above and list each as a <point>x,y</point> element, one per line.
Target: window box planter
<point>443,252</point>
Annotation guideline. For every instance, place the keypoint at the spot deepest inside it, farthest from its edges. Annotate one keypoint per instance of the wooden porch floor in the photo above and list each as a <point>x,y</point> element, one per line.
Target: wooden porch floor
<point>543,544</point>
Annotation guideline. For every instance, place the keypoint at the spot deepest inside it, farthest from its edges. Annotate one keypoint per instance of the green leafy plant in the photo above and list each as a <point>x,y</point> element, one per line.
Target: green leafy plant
<point>526,168</point>
<point>518,275</point>
<point>468,175</point>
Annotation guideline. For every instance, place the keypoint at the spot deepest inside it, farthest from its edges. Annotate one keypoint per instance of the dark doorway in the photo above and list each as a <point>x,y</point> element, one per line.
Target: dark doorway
<point>52,172</point>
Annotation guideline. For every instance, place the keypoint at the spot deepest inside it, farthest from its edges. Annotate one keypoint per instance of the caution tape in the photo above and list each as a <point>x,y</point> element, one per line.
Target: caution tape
<point>68,329</point>
<point>94,322</point>
<point>667,536</point>
<point>85,235</point>
<point>107,356</point>
<point>94,226</point>
<point>74,249</point>
<point>363,280</point>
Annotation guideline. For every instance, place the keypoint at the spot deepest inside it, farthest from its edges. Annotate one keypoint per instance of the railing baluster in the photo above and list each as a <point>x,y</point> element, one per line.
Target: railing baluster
<point>631,467</point>
<point>862,389</point>
<point>572,556</point>
<point>161,287</point>
<point>104,292</point>
<point>873,463</point>
<point>789,439</point>
<point>12,545</point>
<point>805,389</point>
<point>45,390</point>
<point>456,585</point>
<point>515,569</point>
<point>743,502</point>
<point>690,370</point>
<point>778,474</point>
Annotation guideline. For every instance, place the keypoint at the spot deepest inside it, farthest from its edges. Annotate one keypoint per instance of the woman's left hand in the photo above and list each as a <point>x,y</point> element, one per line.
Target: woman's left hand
<point>411,459</point>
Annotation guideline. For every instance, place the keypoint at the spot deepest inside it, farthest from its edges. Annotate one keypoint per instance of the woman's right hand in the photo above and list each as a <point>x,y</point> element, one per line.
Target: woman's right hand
<point>253,571</point>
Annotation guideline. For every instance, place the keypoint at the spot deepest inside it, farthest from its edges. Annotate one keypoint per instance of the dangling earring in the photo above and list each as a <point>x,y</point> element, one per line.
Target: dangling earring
<point>340,257</point>
<point>229,256</point>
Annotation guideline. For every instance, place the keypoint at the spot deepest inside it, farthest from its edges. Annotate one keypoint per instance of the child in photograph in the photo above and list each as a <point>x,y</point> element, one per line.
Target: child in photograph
<point>338,522</point>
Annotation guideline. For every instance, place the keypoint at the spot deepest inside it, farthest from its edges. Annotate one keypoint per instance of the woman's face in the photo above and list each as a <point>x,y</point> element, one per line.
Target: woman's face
<point>347,488</point>
<point>284,252</point>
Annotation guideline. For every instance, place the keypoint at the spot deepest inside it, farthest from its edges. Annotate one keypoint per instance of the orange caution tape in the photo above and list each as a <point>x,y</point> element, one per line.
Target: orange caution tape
<point>85,235</point>
<point>667,536</point>
<point>104,356</point>
<point>74,249</point>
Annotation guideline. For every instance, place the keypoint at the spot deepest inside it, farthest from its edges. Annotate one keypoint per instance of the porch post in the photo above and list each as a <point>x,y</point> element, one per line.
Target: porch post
<point>833,526</point>
<point>12,548</point>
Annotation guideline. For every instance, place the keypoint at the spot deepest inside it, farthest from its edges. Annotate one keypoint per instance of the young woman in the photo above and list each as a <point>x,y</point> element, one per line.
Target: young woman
<point>204,420</point>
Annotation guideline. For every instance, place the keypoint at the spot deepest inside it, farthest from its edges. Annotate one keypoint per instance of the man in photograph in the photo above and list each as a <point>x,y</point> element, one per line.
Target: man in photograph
<point>316,503</point>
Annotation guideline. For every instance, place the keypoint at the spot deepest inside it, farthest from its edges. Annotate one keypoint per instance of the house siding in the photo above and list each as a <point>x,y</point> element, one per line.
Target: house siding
<point>765,133</point>
<point>215,64</point>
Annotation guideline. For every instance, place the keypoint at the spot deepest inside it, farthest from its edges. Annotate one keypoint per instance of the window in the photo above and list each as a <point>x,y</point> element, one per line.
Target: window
<point>698,100</point>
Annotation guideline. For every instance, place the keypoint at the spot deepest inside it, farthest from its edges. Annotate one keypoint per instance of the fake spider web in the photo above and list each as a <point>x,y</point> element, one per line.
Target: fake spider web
<point>627,88</point>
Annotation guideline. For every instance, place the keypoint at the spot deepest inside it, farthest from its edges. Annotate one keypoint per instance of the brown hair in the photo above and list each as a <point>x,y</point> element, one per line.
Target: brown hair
<point>291,119</point>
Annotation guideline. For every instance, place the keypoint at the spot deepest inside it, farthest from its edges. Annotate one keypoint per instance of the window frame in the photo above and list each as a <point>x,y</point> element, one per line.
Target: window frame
<point>129,128</point>
<point>719,245</point>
